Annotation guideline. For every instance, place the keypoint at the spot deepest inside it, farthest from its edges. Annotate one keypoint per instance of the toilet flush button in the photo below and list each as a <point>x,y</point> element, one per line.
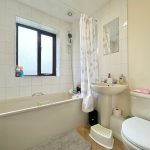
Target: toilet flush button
<point>137,131</point>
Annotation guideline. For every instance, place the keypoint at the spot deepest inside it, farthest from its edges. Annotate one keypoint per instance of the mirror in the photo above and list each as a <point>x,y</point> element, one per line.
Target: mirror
<point>111,37</point>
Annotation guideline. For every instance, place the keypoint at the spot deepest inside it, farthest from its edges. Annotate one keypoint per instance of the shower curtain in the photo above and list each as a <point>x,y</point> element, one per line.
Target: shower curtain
<point>89,60</point>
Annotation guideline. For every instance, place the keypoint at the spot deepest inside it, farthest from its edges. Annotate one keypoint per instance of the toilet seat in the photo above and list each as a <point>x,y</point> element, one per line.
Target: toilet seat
<point>137,132</point>
<point>128,144</point>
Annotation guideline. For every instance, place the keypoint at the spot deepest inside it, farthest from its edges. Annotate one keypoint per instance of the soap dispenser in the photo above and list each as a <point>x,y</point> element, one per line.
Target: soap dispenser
<point>109,79</point>
<point>122,79</point>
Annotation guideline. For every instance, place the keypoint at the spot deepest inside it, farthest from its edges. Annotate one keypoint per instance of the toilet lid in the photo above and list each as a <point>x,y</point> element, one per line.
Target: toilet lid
<point>137,131</point>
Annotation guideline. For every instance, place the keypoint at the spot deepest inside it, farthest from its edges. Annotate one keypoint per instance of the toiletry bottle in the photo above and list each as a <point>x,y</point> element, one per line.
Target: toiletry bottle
<point>78,88</point>
<point>109,79</point>
<point>121,79</point>
<point>17,71</point>
<point>21,73</point>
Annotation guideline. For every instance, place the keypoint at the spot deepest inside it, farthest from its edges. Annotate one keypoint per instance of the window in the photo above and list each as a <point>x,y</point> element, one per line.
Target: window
<point>36,51</point>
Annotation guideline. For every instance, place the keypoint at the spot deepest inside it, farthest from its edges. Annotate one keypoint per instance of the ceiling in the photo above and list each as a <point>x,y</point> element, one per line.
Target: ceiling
<point>59,8</point>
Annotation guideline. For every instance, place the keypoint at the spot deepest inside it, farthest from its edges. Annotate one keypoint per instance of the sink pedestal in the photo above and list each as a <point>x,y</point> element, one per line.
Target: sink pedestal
<point>105,103</point>
<point>106,91</point>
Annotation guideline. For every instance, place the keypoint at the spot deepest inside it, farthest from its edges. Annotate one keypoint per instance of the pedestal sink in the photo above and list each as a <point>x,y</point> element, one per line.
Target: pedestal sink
<point>106,91</point>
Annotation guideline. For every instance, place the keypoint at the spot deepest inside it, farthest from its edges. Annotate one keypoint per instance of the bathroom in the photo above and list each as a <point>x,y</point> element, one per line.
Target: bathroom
<point>37,106</point>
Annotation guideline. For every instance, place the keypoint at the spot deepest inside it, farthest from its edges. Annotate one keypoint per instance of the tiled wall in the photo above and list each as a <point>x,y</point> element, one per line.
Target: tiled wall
<point>76,53</point>
<point>12,87</point>
<point>115,63</point>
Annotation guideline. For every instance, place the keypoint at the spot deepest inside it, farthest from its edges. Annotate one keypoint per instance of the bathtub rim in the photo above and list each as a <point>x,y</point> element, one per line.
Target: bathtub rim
<point>37,107</point>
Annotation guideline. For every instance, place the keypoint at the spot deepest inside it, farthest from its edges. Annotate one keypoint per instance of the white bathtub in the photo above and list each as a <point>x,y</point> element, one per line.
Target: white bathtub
<point>29,121</point>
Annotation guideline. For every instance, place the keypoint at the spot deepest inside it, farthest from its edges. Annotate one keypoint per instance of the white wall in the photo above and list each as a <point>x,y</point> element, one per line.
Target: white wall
<point>115,63</point>
<point>10,86</point>
<point>139,43</point>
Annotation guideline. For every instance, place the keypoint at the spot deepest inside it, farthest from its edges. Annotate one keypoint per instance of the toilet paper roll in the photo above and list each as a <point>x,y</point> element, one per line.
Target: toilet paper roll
<point>117,112</point>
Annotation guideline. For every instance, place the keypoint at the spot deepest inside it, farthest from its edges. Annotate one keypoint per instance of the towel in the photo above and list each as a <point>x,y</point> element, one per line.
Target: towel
<point>141,90</point>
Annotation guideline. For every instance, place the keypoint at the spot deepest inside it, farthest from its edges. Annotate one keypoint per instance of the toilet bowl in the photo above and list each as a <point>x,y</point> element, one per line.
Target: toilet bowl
<point>135,131</point>
<point>135,134</point>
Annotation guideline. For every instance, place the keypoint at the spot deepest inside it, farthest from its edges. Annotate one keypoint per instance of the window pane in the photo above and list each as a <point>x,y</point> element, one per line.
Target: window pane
<point>27,50</point>
<point>46,54</point>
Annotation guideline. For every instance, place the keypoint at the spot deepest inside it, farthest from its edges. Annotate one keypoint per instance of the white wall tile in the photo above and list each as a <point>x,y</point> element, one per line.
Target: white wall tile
<point>124,50</point>
<point>25,91</point>
<point>47,89</point>
<point>2,94</point>
<point>2,13</point>
<point>25,81</point>
<point>25,11</point>
<point>2,80</point>
<point>12,82</point>
<point>12,92</point>
<point>2,47</point>
<point>36,81</point>
<point>36,89</point>
<point>10,86</point>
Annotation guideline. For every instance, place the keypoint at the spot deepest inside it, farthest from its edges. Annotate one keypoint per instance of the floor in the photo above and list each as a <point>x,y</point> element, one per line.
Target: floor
<point>84,132</point>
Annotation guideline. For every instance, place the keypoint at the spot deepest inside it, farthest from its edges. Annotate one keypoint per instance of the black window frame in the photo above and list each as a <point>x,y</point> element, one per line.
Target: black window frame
<point>39,32</point>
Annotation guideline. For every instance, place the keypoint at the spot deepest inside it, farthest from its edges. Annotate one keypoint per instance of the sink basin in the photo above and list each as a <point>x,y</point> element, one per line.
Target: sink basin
<point>108,89</point>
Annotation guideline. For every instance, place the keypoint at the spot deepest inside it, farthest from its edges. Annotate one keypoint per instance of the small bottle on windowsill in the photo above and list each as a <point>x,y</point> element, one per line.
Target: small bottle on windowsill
<point>21,73</point>
<point>17,71</point>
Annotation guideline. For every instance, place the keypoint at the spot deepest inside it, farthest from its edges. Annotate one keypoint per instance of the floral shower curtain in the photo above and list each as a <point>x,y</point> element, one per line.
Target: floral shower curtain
<point>89,60</point>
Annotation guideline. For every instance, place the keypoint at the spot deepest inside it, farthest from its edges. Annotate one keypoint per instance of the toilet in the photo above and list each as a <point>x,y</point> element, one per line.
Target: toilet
<point>135,131</point>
